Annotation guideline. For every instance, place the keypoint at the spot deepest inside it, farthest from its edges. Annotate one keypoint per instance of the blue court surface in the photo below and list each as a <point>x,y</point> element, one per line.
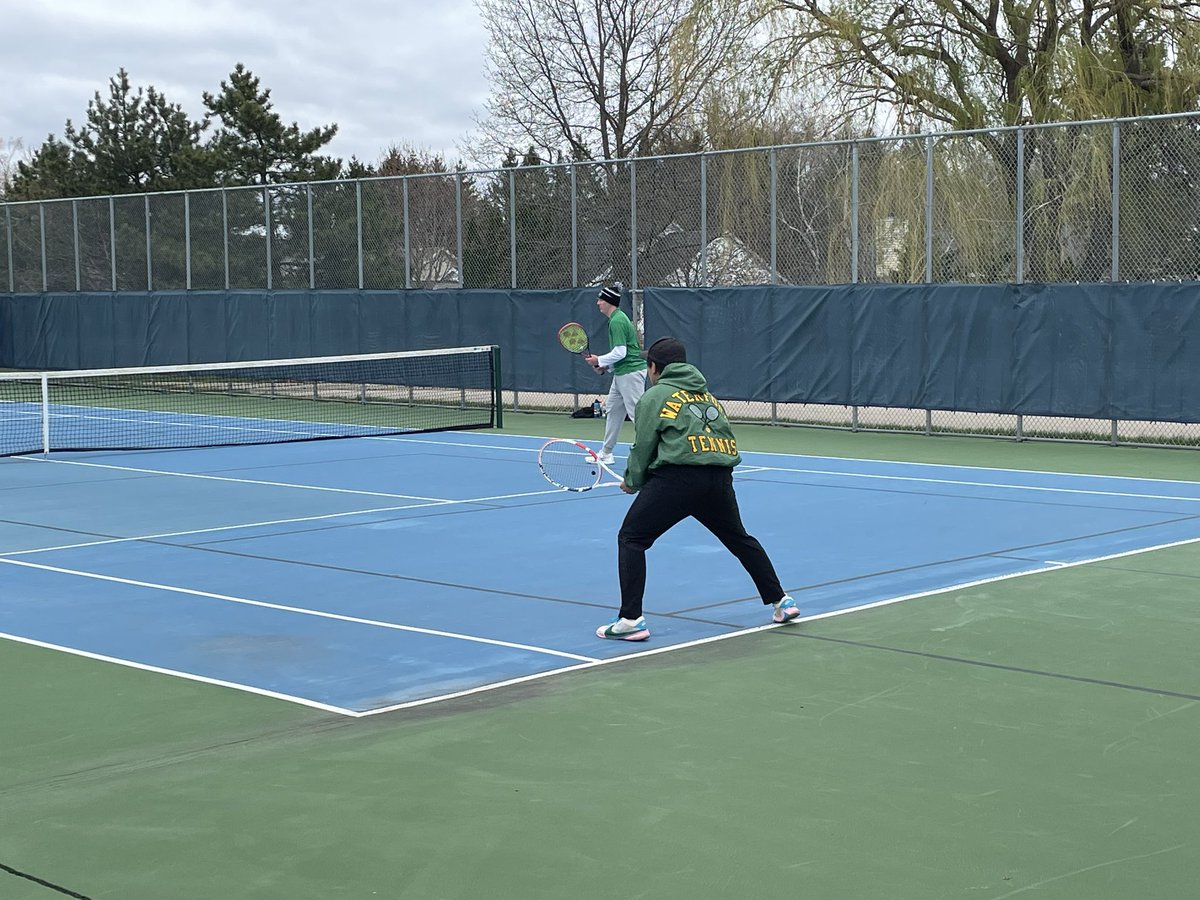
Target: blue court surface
<point>372,574</point>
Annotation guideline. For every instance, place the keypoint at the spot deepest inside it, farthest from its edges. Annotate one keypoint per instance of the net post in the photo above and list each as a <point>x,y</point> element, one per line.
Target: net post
<point>45,414</point>
<point>497,395</point>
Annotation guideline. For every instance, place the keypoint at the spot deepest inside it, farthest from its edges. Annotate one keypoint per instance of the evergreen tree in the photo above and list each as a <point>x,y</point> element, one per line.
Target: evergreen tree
<point>253,144</point>
<point>131,141</point>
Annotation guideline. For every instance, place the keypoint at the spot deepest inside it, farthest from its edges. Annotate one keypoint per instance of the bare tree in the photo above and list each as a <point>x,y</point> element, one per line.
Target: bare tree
<point>605,79</point>
<point>10,150</point>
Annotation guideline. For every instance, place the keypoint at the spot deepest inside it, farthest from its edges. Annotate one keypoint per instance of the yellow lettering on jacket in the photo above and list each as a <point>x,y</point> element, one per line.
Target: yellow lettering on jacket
<point>703,443</point>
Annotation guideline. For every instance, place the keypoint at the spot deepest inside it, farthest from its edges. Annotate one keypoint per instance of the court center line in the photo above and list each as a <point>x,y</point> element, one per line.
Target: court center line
<point>299,610</point>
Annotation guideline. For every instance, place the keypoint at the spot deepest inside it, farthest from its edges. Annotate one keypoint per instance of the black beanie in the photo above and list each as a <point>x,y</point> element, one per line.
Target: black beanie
<point>611,294</point>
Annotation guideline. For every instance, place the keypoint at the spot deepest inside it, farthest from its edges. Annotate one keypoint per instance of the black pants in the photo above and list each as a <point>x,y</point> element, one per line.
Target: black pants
<point>670,495</point>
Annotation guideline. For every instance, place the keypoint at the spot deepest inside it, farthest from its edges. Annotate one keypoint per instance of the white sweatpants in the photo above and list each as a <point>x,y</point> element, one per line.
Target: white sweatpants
<point>623,396</point>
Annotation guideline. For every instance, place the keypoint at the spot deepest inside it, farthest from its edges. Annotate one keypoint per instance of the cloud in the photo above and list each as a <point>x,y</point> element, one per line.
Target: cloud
<point>387,73</point>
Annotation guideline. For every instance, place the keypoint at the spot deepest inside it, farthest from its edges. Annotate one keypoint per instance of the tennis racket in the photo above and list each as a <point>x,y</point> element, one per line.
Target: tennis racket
<point>573,338</point>
<point>573,466</point>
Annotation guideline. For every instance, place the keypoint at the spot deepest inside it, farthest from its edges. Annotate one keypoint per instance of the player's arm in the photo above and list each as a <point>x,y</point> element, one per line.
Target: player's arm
<point>612,357</point>
<point>645,443</point>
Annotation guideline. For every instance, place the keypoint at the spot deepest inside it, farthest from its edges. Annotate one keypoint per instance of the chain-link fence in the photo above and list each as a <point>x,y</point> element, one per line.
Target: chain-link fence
<point>1097,201</point>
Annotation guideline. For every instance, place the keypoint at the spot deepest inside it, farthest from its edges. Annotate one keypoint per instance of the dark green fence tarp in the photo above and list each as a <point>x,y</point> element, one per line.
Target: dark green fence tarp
<point>1110,351</point>
<point>106,330</point>
<point>1123,351</point>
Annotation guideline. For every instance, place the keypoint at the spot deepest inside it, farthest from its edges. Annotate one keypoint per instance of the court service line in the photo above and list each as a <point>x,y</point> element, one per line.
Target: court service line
<point>294,521</point>
<point>171,534</point>
<point>283,484</point>
<point>300,610</point>
<point>750,469</point>
<point>190,676</point>
<point>807,456</point>
<point>981,484</point>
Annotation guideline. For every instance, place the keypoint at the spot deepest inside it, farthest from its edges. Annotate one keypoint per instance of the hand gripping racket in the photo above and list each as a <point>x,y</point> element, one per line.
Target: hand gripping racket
<point>573,466</point>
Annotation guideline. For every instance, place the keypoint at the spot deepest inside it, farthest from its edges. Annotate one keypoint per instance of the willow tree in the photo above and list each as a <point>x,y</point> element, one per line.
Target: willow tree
<point>965,65</point>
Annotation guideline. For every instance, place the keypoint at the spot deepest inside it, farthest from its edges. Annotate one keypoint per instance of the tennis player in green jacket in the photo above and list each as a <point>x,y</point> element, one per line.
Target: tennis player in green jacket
<point>680,465</point>
<point>628,368</point>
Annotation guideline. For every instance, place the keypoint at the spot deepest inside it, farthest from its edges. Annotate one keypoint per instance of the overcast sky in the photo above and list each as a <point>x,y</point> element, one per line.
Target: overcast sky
<point>386,71</point>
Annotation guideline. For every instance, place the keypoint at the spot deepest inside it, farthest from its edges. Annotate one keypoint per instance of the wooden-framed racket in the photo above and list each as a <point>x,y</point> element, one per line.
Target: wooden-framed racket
<point>573,466</point>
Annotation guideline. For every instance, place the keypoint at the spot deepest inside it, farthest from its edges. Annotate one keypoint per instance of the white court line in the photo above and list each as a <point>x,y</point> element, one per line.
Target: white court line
<point>180,420</point>
<point>299,610</point>
<point>297,520</point>
<point>283,484</point>
<point>588,663</point>
<point>189,676</point>
<point>982,484</point>
<point>848,459</point>
<point>966,585</point>
<point>171,534</point>
<point>749,469</point>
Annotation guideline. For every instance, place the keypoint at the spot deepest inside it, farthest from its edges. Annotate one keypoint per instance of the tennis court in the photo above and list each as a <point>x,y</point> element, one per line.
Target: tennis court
<point>366,667</point>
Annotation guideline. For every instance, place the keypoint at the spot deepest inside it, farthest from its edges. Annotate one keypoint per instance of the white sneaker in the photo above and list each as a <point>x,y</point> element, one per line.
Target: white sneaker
<point>624,630</point>
<point>606,458</point>
<point>786,611</point>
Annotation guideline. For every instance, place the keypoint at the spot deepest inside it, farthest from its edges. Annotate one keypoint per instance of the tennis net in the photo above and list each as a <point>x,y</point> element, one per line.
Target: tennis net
<point>269,401</point>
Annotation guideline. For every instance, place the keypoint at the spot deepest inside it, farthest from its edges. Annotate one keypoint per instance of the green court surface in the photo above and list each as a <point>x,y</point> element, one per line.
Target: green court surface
<point>1034,738</point>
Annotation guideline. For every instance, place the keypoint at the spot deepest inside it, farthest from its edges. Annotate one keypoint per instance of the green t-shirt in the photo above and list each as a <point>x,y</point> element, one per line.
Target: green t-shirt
<point>621,331</point>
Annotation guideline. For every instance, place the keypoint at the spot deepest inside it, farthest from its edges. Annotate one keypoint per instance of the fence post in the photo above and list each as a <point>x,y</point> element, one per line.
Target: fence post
<point>42,233</point>
<point>187,239</point>
<point>703,219</point>
<point>225,233</point>
<point>1020,261</point>
<point>312,259</point>
<point>358,229</point>
<point>574,228</point>
<point>458,227</point>
<point>774,160</point>
<point>633,241</point>
<point>112,239</point>
<point>928,208</point>
<point>854,213</point>
<point>12,279</point>
<point>407,242</point>
<point>266,194</point>
<point>1115,272</point>
<point>149,247</point>
<point>75,242</point>
<point>512,228</point>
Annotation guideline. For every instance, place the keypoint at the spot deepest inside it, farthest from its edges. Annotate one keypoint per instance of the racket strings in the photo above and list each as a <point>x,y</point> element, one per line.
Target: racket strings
<point>570,466</point>
<point>573,337</point>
